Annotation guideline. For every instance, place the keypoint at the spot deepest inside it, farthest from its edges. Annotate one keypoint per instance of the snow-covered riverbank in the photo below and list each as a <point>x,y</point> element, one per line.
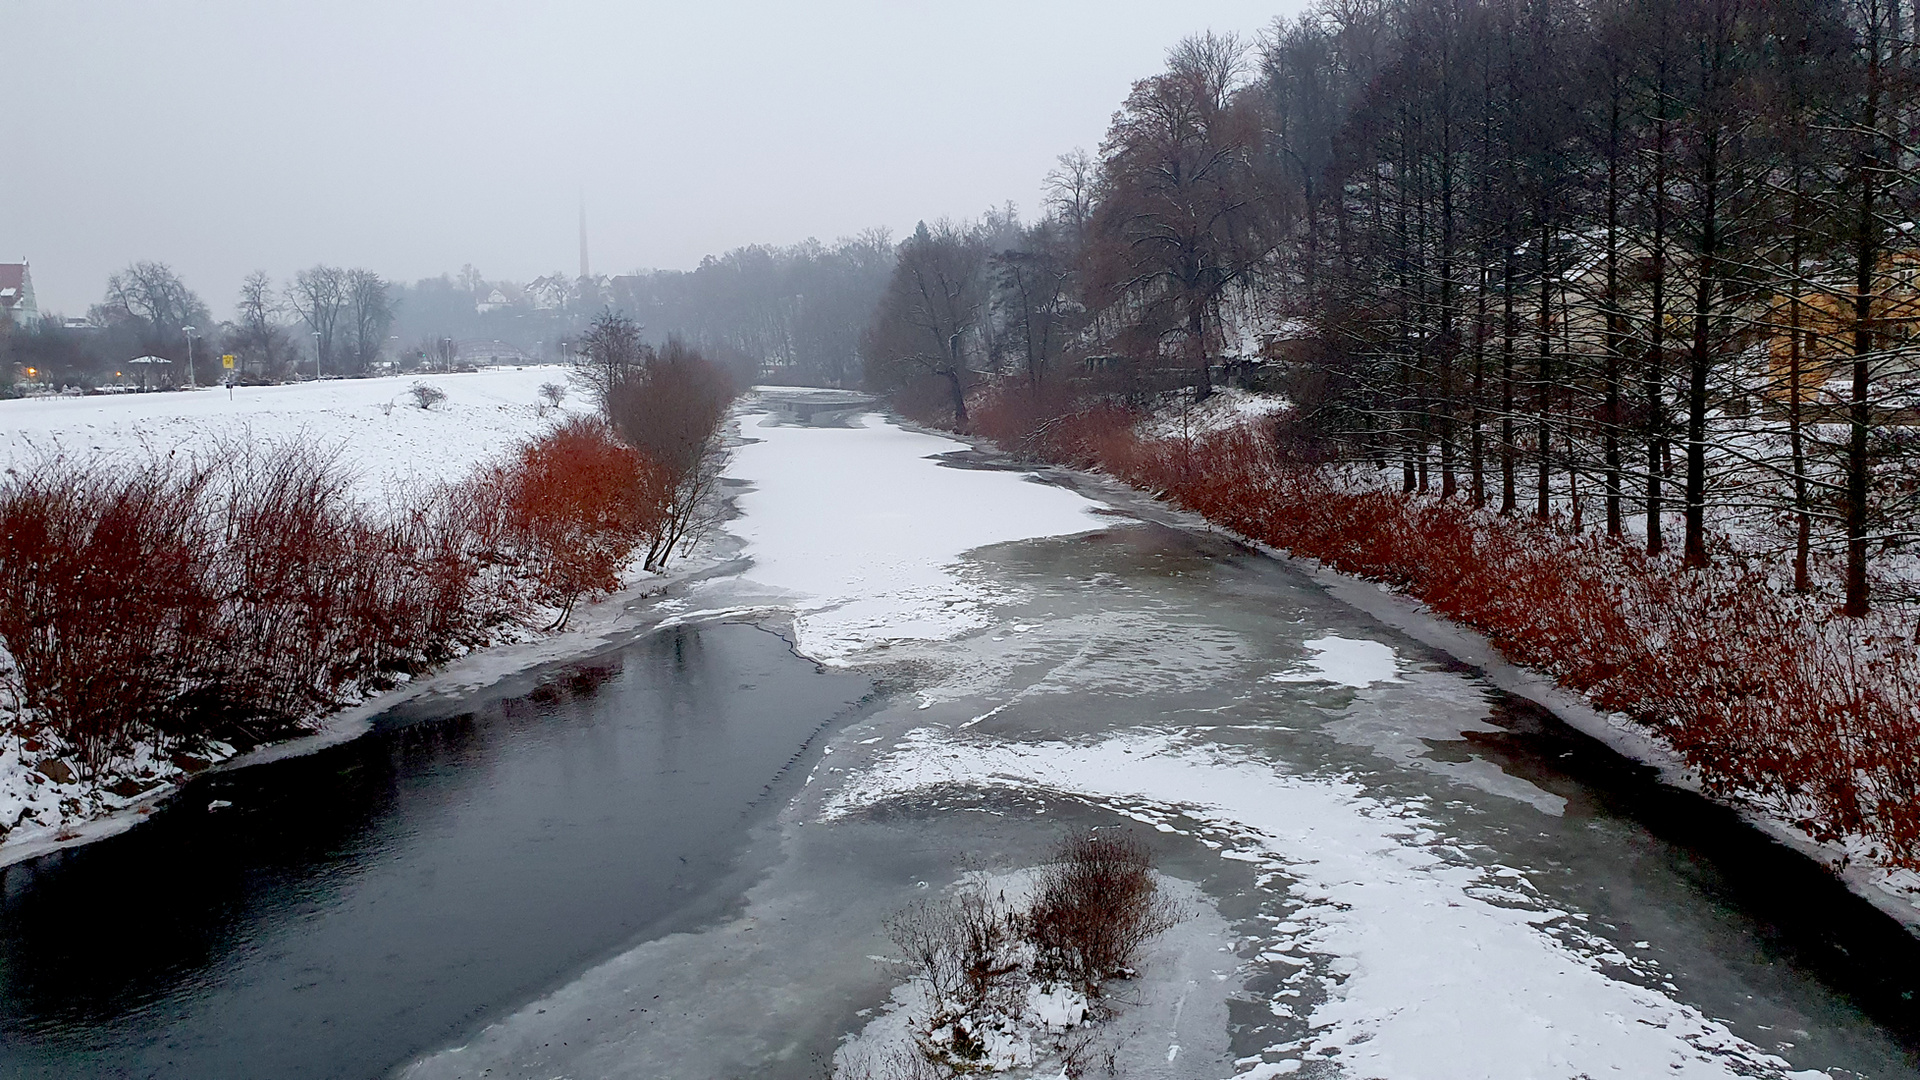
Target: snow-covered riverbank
<point>380,437</point>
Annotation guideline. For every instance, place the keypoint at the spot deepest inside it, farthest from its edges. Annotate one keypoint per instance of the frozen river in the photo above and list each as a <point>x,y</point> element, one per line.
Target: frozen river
<point>676,860</point>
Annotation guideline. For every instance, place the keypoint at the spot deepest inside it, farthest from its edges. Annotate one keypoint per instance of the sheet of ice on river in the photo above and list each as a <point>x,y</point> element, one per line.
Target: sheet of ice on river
<point>1345,661</point>
<point>1411,717</point>
<point>866,534</point>
<point>389,443</point>
<point>1431,965</point>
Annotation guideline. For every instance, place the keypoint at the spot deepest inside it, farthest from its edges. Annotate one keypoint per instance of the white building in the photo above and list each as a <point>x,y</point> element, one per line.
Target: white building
<point>16,295</point>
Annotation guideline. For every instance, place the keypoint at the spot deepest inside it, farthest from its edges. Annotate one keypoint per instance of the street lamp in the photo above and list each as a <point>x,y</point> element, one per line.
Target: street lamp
<point>316,356</point>
<point>188,330</point>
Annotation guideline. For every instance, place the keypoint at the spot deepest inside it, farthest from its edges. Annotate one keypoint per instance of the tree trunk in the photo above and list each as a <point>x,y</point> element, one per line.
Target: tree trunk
<point>1543,399</point>
<point>1197,344</point>
<point>1510,329</point>
<point>1656,350</point>
<point>1615,337</point>
<point>1700,357</point>
<point>959,399</point>
<point>1869,167</point>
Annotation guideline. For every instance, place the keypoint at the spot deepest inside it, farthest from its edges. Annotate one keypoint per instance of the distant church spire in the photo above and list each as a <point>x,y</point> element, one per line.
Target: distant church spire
<point>583,237</point>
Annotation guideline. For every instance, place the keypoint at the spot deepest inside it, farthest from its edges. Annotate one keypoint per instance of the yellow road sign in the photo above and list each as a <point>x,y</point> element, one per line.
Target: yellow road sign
<point>227,361</point>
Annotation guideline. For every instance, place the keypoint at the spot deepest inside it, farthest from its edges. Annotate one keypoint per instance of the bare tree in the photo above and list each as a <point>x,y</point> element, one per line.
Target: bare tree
<point>1071,188</point>
<point>1035,286</point>
<point>258,338</point>
<point>932,308</point>
<point>1185,212</point>
<point>670,408</point>
<point>149,299</point>
<point>610,351</point>
<point>319,297</point>
<point>369,311</point>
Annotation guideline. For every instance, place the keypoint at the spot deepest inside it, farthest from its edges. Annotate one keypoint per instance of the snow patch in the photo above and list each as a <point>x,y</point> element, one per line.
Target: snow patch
<point>864,534</point>
<point>1179,416</point>
<point>1346,662</point>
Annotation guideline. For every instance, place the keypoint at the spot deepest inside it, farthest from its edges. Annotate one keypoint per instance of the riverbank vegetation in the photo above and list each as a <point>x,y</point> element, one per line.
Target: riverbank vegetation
<point>159,614</point>
<point>1592,328</point>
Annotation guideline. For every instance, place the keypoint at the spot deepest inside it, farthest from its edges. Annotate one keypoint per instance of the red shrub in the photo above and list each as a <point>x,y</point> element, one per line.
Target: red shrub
<point>576,503</point>
<point>1051,424</point>
<point>172,602</point>
<point>105,602</point>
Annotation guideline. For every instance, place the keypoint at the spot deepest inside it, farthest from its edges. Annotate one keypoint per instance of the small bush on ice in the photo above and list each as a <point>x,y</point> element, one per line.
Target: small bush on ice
<point>997,976</point>
<point>966,950</point>
<point>1093,910</point>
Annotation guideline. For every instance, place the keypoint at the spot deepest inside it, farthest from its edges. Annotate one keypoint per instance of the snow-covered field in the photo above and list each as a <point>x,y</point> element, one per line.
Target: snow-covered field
<point>387,441</point>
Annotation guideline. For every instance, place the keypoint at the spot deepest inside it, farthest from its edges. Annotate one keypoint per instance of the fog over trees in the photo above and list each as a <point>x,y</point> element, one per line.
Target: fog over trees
<point>795,312</point>
<point>1647,264</point>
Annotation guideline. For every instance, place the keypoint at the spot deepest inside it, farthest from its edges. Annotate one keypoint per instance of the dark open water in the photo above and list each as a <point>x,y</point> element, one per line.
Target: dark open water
<point>379,899</point>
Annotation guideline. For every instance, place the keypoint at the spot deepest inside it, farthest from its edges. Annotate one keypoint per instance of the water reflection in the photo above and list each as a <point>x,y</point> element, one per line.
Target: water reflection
<point>356,906</point>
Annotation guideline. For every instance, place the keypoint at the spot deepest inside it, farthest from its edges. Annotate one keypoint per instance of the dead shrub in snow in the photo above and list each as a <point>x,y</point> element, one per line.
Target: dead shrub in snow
<point>174,601</point>
<point>426,395</point>
<point>323,596</point>
<point>106,603</point>
<point>1002,981</point>
<point>966,951</point>
<point>297,562</point>
<point>236,597</point>
<point>1093,910</point>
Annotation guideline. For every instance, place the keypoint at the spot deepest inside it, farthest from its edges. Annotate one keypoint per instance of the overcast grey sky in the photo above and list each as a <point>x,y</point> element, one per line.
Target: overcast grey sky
<point>412,138</point>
